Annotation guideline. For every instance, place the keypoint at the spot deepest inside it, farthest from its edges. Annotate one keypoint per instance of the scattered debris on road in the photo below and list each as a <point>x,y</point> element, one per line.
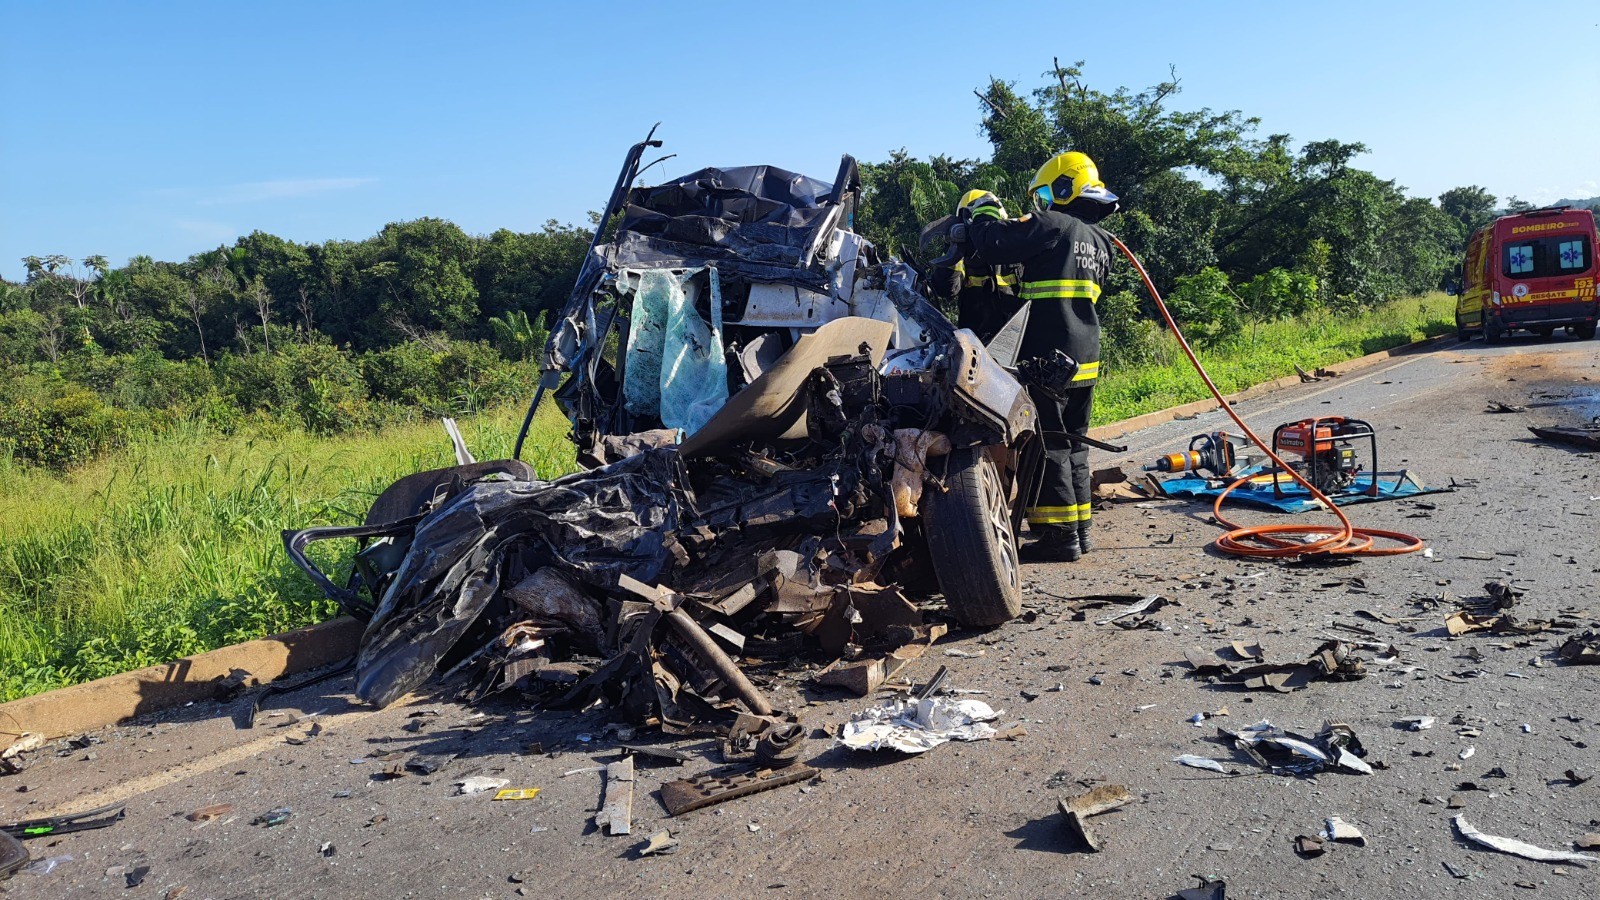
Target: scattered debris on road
<point>1581,650</point>
<point>1340,831</point>
<point>616,811</point>
<point>689,794</point>
<point>917,726</point>
<point>207,813</point>
<point>659,843</point>
<point>1585,436</point>
<point>1248,667</point>
<point>477,784</point>
<point>1077,810</point>
<point>1518,848</point>
<point>273,817</point>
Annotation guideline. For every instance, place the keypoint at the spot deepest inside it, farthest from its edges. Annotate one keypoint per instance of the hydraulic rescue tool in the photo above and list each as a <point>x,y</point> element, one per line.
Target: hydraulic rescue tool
<point>1214,452</point>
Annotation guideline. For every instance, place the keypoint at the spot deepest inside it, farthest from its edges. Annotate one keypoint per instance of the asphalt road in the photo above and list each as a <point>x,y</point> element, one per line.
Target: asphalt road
<point>980,819</point>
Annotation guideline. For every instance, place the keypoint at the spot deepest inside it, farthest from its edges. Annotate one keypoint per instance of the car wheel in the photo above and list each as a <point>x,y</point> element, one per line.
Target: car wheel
<point>1544,332</point>
<point>971,543</point>
<point>1462,334</point>
<point>1584,332</point>
<point>1493,334</point>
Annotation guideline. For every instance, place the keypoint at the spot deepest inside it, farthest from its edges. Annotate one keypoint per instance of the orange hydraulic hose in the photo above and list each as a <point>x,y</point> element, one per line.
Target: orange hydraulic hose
<point>1283,540</point>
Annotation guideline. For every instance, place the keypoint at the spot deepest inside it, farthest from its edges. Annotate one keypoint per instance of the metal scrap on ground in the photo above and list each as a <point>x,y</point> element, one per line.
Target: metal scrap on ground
<point>1519,848</point>
<point>1247,667</point>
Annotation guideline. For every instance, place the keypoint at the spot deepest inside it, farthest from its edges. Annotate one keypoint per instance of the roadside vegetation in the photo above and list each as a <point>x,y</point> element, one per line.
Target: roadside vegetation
<point>160,422</point>
<point>171,544</point>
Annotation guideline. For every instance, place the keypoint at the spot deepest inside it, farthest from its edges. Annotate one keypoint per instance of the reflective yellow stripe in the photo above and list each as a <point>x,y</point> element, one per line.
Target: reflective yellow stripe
<point>1005,280</point>
<point>982,280</point>
<point>1053,515</point>
<point>1061,289</point>
<point>1087,371</point>
<point>1084,511</point>
<point>990,211</point>
<point>977,280</point>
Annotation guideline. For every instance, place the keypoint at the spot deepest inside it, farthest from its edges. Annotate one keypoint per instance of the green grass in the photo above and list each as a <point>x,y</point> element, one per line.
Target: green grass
<point>171,546</point>
<point>1316,340</point>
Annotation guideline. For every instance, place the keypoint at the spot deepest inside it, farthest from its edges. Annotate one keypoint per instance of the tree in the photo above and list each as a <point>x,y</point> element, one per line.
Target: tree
<point>195,302</point>
<point>1472,207</point>
<point>262,299</point>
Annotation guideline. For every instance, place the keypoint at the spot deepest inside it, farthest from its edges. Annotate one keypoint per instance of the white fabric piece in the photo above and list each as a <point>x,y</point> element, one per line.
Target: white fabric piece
<point>916,726</point>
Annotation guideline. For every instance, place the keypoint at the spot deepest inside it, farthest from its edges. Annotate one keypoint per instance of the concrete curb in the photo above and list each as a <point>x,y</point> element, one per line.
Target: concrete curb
<point>118,698</point>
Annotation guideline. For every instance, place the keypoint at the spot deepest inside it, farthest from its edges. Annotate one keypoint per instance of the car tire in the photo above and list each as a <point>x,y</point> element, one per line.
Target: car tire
<point>1545,333</point>
<point>1462,334</point>
<point>971,542</point>
<point>1493,334</point>
<point>1584,332</point>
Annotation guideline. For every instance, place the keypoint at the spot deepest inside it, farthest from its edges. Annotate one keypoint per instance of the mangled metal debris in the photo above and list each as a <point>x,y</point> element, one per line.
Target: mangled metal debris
<point>1334,748</point>
<point>1581,650</point>
<point>689,794</point>
<point>786,442</point>
<point>1584,436</point>
<point>616,813</point>
<point>1247,667</point>
<point>1492,613</point>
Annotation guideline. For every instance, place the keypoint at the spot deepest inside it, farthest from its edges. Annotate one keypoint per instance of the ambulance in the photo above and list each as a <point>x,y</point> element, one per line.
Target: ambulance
<point>1533,271</point>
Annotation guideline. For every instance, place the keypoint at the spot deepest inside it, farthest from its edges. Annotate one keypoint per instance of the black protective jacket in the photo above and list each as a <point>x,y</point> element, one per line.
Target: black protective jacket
<point>1065,264</point>
<point>985,296</point>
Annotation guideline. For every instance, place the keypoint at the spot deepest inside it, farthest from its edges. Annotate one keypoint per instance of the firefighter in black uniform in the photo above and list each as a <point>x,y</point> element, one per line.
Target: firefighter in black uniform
<point>1065,259</point>
<point>985,296</point>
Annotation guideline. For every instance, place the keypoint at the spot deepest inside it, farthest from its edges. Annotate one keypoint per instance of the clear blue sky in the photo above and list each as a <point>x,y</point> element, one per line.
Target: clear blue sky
<point>168,128</point>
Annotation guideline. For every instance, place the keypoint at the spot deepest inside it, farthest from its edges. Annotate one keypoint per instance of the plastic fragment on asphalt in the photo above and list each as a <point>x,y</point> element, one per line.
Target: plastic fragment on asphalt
<point>1077,810</point>
<point>207,813</point>
<point>658,844</point>
<point>516,794</point>
<point>916,726</point>
<point>1337,829</point>
<point>1207,890</point>
<point>1518,848</point>
<point>1420,723</point>
<point>47,865</point>
<point>1201,762</point>
<point>1467,753</point>
<point>478,784</point>
<point>273,817</point>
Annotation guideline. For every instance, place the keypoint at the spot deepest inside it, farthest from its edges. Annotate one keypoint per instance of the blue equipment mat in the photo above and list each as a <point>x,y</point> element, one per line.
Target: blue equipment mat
<point>1294,498</point>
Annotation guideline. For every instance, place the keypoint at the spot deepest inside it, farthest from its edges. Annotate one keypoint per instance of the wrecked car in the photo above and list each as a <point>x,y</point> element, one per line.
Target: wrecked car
<point>781,435</point>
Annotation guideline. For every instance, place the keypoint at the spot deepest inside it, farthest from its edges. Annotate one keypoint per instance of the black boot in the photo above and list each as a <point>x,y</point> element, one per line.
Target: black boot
<point>1054,544</point>
<point>1084,542</point>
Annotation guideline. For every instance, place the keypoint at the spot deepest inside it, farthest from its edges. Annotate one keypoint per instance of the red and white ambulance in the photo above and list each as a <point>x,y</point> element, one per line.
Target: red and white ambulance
<point>1534,271</point>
